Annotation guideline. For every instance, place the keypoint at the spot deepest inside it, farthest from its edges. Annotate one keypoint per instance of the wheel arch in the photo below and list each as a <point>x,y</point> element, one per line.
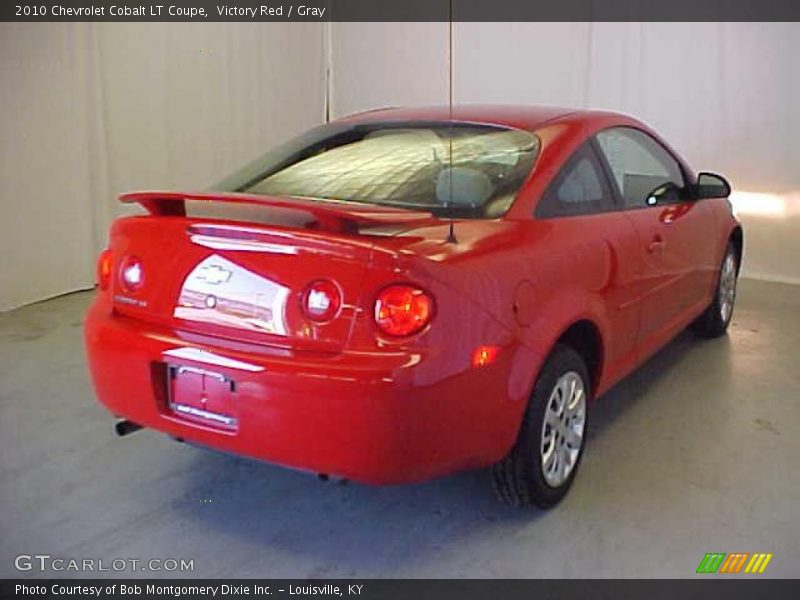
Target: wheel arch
<point>582,332</point>
<point>584,336</point>
<point>737,238</point>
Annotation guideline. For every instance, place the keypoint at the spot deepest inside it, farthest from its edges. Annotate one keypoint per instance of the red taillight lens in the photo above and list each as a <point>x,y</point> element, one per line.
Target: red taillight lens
<point>131,274</point>
<point>322,300</point>
<point>402,310</point>
<point>104,267</point>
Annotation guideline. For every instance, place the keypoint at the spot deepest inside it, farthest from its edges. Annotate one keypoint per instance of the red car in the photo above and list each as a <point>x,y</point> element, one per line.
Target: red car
<point>406,293</point>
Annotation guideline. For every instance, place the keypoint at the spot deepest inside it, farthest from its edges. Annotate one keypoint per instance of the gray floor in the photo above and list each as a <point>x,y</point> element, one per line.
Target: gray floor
<point>696,452</point>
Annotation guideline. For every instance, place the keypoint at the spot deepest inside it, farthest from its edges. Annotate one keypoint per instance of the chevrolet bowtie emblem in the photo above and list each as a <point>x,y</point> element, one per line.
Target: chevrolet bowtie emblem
<point>214,274</point>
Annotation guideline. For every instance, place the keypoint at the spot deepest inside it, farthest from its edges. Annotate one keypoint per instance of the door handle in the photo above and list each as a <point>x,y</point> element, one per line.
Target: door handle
<point>656,245</point>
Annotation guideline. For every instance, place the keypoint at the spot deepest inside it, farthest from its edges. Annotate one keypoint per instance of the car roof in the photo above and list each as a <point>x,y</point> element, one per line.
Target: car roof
<point>504,115</point>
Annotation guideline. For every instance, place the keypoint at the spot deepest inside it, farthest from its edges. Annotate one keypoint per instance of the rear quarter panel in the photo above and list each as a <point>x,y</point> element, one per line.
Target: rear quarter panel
<point>518,286</point>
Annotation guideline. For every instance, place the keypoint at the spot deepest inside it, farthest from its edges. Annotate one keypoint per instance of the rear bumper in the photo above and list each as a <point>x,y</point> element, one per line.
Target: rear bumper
<point>381,417</point>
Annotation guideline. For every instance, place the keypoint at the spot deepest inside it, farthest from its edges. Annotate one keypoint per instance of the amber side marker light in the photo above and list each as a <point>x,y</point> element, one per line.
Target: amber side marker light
<point>485,355</point>
<point>105,264</point>
<point>402,310</point>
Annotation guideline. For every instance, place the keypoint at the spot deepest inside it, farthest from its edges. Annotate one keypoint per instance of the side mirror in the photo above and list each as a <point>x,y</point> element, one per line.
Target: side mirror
<point>665,193</point>
<point>711,185</point>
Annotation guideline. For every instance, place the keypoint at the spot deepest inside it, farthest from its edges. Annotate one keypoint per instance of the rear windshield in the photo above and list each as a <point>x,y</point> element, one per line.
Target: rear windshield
<point>451,169</point>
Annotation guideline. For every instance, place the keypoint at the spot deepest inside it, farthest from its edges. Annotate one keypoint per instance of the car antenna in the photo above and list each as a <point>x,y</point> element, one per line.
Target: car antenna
<point>451,230</point>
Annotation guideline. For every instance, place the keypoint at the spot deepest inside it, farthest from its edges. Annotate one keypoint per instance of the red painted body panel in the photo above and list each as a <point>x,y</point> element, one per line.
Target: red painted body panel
<point>340,397</point>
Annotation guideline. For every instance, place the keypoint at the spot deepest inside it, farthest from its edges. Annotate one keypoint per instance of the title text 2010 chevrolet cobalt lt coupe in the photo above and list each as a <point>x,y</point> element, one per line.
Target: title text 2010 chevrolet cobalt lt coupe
<point>409,292</point>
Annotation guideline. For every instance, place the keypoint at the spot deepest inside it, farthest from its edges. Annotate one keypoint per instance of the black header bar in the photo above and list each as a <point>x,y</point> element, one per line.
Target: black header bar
<point>401,10</point>
<point>705,588</point>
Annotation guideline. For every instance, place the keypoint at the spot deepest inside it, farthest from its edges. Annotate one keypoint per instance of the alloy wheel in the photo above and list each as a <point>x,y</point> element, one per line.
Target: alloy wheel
<point>727,287</point>
<point>563,428</point>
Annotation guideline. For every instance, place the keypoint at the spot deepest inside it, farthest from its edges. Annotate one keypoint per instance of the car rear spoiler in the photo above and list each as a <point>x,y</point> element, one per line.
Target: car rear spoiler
<point>330,215</point>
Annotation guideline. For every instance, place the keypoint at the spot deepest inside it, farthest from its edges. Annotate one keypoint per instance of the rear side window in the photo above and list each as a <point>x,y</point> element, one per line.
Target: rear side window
<point>579,189</point>
<point>638,164</point>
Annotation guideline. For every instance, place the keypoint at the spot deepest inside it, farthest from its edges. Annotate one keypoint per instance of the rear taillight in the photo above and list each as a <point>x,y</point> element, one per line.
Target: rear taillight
<point>131,274</point>
<point>322,300</point>
<point>105,265</point>
<point>402,310</point>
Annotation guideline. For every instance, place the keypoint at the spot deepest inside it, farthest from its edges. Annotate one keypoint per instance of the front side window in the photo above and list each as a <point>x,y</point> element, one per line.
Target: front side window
<point>452,169</point>
<point>638,163</point>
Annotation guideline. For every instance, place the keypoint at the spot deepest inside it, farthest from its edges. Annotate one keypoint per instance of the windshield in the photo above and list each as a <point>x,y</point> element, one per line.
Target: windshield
<point>448,168</point>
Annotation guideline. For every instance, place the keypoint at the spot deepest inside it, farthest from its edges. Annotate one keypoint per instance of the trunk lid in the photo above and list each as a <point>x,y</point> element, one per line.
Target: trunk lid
<point>245,280</point>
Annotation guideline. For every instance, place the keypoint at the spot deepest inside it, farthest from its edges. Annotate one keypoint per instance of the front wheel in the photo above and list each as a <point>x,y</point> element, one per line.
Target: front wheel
<point>540,468</point>
<point>716,318</point>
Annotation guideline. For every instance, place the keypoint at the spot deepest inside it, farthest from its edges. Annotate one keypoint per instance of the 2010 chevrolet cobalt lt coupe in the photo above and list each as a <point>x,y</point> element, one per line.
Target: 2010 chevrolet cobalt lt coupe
<point>410,292</point>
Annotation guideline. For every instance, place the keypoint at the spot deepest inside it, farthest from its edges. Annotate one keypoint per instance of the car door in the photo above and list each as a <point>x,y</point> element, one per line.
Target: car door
<point>673,230</point>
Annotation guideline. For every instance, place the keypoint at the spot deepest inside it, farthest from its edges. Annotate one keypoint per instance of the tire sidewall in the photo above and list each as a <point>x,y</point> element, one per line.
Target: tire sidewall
<point>562,360</point>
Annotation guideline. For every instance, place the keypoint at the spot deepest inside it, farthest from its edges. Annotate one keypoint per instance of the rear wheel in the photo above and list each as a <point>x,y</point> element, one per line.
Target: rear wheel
<point>716,318</point>
<point>540,468</point>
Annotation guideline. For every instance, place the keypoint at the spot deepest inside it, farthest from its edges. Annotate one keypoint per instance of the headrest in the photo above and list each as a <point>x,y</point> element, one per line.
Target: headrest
<point>461,186</point>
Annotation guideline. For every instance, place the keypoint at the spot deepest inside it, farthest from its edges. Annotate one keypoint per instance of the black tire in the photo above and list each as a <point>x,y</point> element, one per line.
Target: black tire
<point>714,321</point>
<point>519,479</point>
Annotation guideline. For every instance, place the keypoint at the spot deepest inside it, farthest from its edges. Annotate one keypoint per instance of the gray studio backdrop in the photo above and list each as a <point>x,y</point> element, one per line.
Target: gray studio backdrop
<point>93,109</point>
<point>90,110</point>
